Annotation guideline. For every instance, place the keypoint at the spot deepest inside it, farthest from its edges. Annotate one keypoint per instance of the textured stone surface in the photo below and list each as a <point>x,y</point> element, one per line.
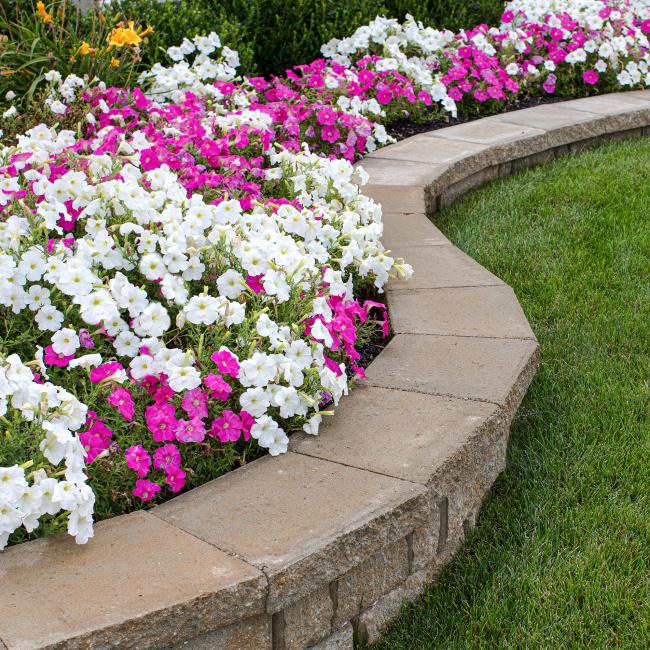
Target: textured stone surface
<point>429,149</point>
<point>611,104</point>
<point>403,172</point>
<point>304,521</point>
<point>547,116</point>
<point>454,190</point>
<point>638,94</point>
<point>407,435</point>
<point>461,311</point>
<point>439,266</point>
<point>342,639</point>
<point>406,199</point>
<point>360,588</point>
<point>304,623</point>
<point>469,368</point>
<point>563,130</point>
<point>138,581</point>
<point>373,620</point>
<point>402,230</point>
<point>487,131</point>
<point>244,635</point>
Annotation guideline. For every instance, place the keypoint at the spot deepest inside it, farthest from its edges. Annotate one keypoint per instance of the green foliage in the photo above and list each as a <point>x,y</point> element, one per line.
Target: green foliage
<point>172,21</point>
<point>270,35</point>
<point>560,554</point>
<point>285,34</point>
<point>449,14</point>
<point>57,36</point>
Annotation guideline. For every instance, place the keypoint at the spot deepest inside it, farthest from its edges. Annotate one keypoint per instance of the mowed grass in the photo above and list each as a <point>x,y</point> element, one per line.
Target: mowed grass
<point>560,557</point>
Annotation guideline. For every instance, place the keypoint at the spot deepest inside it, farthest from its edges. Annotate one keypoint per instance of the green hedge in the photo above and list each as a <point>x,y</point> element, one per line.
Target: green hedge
<point>450,14</point>
<point>272,35</point>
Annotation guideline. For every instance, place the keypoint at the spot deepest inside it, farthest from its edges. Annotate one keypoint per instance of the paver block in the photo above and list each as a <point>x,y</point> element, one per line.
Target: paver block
<point>546,116</point>
<point>400,199</point>
<point>429,149</point>
<point>638,94</point>
<point>342,639</point>
<point>460,311</point>
<point>243,635</point>
<point>450,190</point>
<point>400,172</point>
<point>398,433</point>
<point>440,266</point>
<point>362,586</point>
<point>401,230</point>
<point>374,620</point>
<point>464,367</point>
<point>304,521</point>
<point>487,131</point>
<point>135,583</point>
<point>610,104</point>
<point>306,622</point>
<point>568,126</point>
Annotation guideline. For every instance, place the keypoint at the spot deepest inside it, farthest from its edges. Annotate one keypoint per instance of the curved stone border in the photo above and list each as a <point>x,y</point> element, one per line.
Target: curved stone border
<point>328,540</point>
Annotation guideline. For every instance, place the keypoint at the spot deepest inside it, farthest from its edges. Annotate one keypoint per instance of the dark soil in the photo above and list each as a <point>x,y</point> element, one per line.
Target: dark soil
<point>406,128</point>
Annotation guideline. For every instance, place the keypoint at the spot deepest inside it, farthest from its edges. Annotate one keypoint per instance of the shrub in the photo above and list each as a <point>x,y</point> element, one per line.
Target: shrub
<point>454,14</point>
<point>173,21</point>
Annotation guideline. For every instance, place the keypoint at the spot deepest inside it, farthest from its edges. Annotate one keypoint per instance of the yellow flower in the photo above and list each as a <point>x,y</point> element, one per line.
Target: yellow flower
<point>85,48</point>
<point>42,14</point>
<point>121,36</point>
<point>115,62</point>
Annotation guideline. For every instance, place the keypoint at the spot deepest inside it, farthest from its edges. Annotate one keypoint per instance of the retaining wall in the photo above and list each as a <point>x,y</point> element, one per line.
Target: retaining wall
<point>327,541</point>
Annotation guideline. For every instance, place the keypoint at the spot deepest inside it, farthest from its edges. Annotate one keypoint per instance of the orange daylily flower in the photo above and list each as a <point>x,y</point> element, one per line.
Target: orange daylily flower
<point>42,13</point>
<point>122,36</point>
<point>85,48</point>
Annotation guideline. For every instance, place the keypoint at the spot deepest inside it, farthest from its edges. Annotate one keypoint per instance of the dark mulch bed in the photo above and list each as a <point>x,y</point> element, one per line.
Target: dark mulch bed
<point>406,128</point>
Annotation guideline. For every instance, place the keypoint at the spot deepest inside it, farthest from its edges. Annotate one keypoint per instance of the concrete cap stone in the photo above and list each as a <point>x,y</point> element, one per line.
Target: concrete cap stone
<point>463,367</point>
<point>402,434</point>
<point>611,104</point>
<point>428,149</point>
<point>301,520</point>
<point>403,173</point>
<point>407,199</point>
<point>546,117</point>
<point>133,584</point>
<point>487,131</point>
<point>638,94</point>
<point>439,266</point>
<point>401,230</point>
<point>491,311</point>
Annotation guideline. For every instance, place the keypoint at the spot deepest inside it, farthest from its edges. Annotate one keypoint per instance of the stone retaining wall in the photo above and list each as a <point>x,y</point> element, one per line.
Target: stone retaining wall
<point>325,543</point>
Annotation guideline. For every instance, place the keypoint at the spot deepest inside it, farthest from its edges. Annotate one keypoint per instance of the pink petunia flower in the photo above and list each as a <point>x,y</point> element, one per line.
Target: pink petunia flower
<point>226,362</point>
<point>105,371</point>
<point>175,479</point>
<point>138,459</point>
<point>219,387</point>
<point>167,457</point>
<point>190,430</point>
<point>122,400</point>
<point>145,490</point>
<point>52,358</point>
<point>194,403</point>
<point>227,428</point>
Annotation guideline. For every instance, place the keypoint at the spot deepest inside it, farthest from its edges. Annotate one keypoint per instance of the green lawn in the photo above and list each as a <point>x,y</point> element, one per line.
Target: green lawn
<point>560,557</point>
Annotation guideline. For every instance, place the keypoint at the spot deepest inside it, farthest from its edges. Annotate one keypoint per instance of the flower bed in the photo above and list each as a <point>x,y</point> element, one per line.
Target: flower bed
<point>181,274</point>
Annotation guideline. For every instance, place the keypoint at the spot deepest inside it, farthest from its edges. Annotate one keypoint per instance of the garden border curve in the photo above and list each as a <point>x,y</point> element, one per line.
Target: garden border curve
<point>327,541</point>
